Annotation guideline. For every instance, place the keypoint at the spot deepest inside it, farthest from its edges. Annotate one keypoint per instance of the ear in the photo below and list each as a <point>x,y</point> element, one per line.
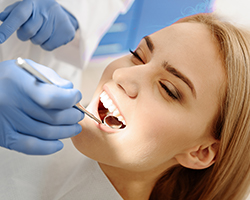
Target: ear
<point>199,157</point>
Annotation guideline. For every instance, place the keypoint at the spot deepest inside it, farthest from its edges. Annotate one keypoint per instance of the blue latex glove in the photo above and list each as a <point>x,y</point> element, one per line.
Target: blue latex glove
<point>44,22</point>
<point>35,115</point>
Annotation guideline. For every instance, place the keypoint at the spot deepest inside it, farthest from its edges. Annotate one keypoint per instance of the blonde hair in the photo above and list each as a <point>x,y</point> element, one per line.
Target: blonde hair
<point>229,177</point>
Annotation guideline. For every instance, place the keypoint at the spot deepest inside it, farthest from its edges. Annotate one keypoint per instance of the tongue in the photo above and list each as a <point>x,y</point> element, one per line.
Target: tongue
<point>102,114</point>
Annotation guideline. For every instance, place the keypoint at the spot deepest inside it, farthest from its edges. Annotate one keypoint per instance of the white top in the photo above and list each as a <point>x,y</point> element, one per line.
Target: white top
<point>66,175</point>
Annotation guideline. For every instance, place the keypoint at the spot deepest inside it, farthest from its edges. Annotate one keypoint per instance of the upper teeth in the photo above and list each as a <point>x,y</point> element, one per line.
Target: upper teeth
<point>108,103</point>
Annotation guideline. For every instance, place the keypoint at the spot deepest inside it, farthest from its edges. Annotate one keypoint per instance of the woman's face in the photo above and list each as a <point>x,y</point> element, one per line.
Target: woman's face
<point>168,95</point>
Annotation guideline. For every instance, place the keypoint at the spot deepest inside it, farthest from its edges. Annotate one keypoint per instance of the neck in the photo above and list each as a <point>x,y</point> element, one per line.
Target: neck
<point>132,185</point>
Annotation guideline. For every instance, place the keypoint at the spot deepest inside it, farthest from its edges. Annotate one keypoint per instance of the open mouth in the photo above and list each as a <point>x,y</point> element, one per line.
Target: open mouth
<point>109,113</point>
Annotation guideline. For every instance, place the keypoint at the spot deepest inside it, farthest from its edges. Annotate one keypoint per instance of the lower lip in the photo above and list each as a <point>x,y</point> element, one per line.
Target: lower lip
<point>105,128</point>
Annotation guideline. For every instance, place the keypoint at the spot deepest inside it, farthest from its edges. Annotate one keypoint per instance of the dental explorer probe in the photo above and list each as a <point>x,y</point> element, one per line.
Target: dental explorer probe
<point>24,65</point>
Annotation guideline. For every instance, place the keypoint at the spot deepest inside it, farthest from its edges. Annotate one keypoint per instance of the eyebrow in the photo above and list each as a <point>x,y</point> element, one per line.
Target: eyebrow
<point>149,43</point>
<point>179,75</point>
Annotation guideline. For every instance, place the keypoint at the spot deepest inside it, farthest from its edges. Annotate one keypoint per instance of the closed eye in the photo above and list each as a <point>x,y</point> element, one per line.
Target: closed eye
<point>135,54</point>
<point>174,95</point>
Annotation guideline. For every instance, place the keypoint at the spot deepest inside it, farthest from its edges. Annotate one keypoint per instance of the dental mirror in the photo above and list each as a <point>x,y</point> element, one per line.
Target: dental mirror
<point>112,122</point>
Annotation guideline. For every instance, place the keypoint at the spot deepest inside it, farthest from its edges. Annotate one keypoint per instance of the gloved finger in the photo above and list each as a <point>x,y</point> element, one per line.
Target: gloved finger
<point>44,33</point>
<point>51,75</point>
<point>32,145</point>
<point>4,14</point>
<point>46,95</point>
<point>63,33</point>
<point>15,19</point>
<point>51,96</point>
<point>57,39</point>
<point>30,27</point>
<point>53,117</point>
<point>49,132</point>
<point>72,19</point>
<point>27,110</point>
<point>28,126</point>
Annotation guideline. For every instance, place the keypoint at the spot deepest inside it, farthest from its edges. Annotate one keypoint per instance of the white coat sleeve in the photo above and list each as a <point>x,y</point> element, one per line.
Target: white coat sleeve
<point>94,17</point>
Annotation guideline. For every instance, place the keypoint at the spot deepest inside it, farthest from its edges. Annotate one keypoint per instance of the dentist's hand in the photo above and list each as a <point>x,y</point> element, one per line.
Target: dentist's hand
<point>44,22</point>
<point>35,115</point>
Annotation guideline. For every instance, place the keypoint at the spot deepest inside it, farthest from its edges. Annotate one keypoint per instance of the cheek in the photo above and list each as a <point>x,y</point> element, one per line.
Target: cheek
<point>165,133</point>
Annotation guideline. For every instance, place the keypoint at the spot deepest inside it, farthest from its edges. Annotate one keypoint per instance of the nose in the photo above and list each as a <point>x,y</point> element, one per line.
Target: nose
<point>128,79</point>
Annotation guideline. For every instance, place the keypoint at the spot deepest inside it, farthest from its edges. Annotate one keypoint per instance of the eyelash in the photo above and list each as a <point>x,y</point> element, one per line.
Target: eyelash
<point>169,92</point>
<point>135,54</point>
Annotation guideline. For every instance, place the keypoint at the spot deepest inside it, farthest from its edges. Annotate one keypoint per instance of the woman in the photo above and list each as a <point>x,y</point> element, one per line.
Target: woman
<point>183,97</point>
